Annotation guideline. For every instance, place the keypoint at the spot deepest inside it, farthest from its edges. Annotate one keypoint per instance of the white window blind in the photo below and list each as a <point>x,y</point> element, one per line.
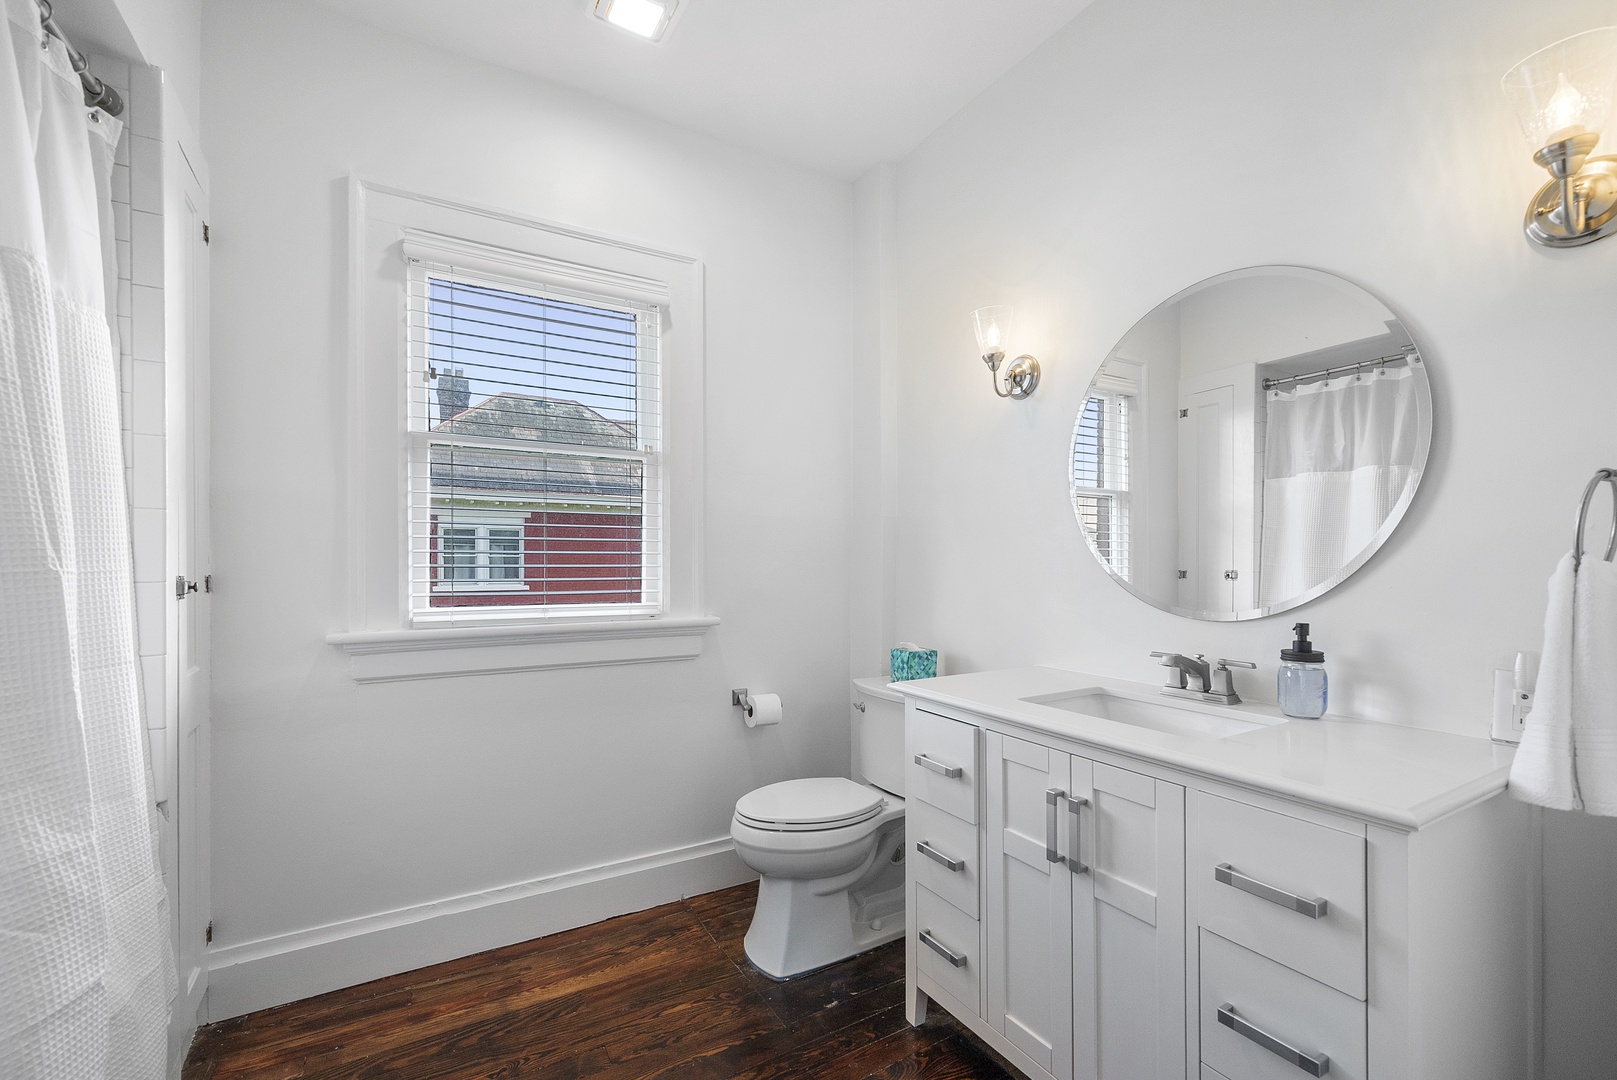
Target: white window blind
<point>534,440</point>
<point>1100,477</point>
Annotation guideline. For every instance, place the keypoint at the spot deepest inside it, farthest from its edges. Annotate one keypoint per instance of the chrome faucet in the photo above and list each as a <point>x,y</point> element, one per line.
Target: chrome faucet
<point>1193,677</point>
<point>1185,672</point>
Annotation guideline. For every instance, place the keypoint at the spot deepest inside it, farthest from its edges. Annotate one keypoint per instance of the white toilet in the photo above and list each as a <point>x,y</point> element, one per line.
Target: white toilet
<point>829,851</point>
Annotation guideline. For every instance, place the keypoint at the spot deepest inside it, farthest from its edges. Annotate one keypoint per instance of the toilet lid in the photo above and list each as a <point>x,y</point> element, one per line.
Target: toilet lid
<point>819,802</point>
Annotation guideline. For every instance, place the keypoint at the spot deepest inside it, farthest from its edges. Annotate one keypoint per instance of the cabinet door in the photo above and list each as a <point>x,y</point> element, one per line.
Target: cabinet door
<point>1029,901</point>
<point>1128,925</point>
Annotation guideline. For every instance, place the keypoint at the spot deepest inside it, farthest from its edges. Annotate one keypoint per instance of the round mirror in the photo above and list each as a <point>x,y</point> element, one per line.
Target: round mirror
<point>1250,443</point>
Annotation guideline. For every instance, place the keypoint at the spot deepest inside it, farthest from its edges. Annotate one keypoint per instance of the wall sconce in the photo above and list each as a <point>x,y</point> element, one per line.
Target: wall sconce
<point>1563,95</point>
<point>993,326</point>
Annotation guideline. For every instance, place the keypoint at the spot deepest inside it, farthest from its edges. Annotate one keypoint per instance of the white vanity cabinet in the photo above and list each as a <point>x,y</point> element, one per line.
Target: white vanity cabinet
<point>1084,875</point>
<point>1100,908</point>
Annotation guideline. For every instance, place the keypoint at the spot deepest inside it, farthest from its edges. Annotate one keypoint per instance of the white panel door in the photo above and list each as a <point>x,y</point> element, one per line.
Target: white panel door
<point>1029,901</point>
<point>1128,926</point>
<point>186,373</point>
<point>1206,519</point>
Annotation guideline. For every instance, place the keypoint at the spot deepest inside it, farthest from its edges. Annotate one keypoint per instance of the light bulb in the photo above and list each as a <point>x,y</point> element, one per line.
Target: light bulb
<point>643,17</point>
<point>993,326</point>
<point>1564,110</point>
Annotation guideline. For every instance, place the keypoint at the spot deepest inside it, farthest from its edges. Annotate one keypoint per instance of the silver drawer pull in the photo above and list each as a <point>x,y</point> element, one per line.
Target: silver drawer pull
<point>1075,861</point>
<point>951,771</point>
<point>1312,1064</point>
<point>1314,908</point>
<point>1052,797</point>
<point>955,959</point>
<point>952,865</point>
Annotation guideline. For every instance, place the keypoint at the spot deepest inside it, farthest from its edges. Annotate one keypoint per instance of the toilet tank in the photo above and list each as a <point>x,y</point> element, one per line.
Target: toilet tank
<point>878,734</point>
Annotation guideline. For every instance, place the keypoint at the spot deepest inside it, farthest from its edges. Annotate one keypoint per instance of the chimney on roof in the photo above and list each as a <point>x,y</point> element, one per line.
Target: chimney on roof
<point>454,394</point>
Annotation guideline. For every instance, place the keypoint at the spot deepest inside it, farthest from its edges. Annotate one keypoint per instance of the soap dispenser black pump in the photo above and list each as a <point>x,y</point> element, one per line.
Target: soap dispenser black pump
<point>1300,684</point>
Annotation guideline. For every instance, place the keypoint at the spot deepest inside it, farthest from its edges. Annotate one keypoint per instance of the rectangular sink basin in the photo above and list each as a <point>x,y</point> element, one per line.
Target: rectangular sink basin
<point>1156,715</point>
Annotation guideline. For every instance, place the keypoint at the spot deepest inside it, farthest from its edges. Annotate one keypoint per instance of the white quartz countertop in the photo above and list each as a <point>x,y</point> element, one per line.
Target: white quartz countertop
<point>1390,774</point>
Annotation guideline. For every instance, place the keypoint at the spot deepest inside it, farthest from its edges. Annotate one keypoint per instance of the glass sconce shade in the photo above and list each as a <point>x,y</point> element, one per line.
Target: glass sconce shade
<point>1565,90</point>
<point>993,325</point>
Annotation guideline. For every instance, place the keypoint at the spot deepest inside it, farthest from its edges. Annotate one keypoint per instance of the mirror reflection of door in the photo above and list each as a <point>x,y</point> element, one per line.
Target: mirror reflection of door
<point>1218,471</point>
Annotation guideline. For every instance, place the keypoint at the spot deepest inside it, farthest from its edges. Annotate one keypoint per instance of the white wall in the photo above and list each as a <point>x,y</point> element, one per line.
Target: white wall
<point>164,33</point>
<point>335,804</point>
<point>872,408</point>
<point>1153,143</point>
<point>1255,320</point>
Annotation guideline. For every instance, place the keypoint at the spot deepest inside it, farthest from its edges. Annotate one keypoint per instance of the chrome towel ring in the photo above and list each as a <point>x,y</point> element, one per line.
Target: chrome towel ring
<point>1608,476</point>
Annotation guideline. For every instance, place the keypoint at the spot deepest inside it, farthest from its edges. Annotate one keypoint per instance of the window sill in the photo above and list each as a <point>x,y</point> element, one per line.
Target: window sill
<point>376,656</point>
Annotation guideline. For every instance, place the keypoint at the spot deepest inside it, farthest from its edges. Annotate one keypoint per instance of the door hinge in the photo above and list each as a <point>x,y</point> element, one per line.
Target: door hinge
<point>183,586</point>
<point>205,232</point>
<point>207,583</point>
<point>1184,414</point>
<point>207,935</point>
<point>1183,574</point>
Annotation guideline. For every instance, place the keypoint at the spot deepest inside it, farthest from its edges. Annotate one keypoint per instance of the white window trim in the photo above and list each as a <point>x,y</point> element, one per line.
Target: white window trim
<point>383,643</point>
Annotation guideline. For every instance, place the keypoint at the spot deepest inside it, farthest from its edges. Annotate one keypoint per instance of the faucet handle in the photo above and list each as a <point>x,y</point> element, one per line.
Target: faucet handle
<point>1223,684</point>
<point>1176,676</point>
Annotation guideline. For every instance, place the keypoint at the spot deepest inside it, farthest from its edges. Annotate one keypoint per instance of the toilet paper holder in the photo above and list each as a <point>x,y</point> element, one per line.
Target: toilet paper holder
<point>761,711</point>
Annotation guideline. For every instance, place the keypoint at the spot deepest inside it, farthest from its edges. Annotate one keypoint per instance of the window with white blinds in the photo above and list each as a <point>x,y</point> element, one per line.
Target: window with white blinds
<point>534,439</point>
<point>1100,477</point>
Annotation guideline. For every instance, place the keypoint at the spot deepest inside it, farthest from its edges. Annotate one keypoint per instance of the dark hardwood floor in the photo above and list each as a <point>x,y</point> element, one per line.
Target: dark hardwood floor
<point>665,993</point>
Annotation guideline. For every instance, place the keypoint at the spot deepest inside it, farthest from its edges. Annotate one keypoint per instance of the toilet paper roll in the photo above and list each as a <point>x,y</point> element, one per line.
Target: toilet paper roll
<point>763,710</point>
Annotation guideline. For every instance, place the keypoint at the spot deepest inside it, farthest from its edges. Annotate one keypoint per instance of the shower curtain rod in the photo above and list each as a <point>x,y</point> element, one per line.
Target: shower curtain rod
<point>1325,373</point>
<point>97,94</point>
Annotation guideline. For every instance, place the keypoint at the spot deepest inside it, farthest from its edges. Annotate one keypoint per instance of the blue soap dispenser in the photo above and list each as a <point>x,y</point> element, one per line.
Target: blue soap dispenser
<point>1300,682</point>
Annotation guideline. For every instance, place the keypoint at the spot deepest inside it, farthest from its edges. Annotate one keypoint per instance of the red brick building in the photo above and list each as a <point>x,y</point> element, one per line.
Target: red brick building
<point>514,526</point>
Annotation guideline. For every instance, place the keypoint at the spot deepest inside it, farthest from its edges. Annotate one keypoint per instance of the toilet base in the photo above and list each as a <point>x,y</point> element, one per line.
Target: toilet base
<point>794,931</point>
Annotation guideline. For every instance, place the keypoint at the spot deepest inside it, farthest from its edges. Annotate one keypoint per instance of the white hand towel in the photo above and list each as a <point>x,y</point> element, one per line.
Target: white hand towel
<point>1542,771</point>
<point>1594,685</point>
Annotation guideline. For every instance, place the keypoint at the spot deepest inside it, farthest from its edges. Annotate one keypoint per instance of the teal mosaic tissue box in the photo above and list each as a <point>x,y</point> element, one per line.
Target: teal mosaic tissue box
<point>914,664</point>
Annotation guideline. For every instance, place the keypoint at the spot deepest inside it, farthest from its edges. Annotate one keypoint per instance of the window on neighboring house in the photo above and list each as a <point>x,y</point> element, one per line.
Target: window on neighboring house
<point>534,442</point>
<point>480,556</point>
<point>1100,476</point>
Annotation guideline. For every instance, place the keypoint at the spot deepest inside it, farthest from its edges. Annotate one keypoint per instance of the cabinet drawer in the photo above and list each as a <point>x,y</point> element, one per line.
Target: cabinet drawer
<point>941,763</point>
<point>941,928</point>
<point>1277,1013</point>
<point>943,854</point>
<point>1257,875</point>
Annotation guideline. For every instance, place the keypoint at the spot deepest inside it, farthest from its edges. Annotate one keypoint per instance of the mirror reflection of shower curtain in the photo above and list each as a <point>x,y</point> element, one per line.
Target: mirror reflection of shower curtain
<point>1337,457</point>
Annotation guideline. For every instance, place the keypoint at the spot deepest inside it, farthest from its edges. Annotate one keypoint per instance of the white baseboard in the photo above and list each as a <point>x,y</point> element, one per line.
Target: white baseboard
<point>271,971</point>
<point>180,1033</point>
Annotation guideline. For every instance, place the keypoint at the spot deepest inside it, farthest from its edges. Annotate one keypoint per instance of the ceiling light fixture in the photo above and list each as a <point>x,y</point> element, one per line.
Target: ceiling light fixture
<point>646,18</point>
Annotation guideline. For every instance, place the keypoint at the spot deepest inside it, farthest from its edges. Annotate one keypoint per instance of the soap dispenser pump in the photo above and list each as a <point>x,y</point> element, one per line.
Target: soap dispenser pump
<point>1300,684</point>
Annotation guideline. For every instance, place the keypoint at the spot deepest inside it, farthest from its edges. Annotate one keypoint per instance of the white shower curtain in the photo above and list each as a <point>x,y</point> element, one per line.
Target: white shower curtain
<point>1337,456</point>
<point>86,972</point>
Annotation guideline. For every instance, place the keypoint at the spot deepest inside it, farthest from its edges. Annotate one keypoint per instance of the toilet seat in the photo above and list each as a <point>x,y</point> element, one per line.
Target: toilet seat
<point>814,804</point>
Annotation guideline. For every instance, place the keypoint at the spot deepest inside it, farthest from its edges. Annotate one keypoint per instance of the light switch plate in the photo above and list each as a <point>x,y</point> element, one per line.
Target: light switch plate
<point>1510,708</point>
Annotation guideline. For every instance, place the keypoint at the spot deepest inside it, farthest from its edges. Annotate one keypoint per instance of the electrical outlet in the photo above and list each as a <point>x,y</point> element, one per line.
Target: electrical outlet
<point>1510,708</point>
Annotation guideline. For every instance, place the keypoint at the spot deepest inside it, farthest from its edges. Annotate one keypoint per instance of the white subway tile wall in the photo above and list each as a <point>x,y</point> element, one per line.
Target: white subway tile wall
<point>137,203</point>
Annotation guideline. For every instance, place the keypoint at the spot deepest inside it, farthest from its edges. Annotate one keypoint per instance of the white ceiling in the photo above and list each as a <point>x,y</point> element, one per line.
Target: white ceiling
<point>837,85</point>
